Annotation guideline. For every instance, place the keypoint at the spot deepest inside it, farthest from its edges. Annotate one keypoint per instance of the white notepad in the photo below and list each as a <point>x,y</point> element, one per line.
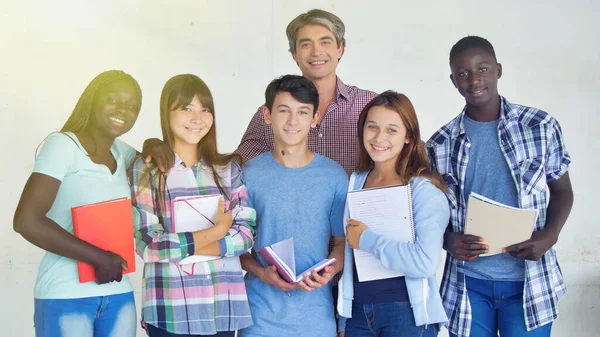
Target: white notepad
<point>498,224</point>
<point>387,211</point>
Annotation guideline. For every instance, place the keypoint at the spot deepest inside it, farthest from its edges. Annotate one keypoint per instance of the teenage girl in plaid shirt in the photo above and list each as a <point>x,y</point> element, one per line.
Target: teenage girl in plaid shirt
<point>210,297</point>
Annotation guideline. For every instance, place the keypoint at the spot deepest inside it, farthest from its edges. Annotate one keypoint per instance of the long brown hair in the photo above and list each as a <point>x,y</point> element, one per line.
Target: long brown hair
<point>412,160</point>
<point>178,92</point>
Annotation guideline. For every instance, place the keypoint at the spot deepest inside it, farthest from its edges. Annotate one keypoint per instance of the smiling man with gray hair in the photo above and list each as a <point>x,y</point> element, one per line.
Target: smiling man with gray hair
<point>317,43</point>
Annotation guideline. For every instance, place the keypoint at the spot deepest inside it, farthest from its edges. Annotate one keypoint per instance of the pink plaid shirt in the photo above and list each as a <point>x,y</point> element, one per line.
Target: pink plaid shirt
<point>334,138</point>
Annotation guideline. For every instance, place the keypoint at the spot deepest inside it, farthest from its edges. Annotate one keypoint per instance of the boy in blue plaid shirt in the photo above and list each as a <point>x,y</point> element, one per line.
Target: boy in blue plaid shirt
<point>509,153</point>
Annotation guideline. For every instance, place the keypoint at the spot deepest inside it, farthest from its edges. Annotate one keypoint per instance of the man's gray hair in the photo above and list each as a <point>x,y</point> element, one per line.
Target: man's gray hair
<point>316,17</point>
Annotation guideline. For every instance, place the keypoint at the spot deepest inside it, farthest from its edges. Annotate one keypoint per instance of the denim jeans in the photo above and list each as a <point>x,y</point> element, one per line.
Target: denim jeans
<point>390,319</point>
<point>156,332</point>
<point>497,306</point>
<point>102,316</point>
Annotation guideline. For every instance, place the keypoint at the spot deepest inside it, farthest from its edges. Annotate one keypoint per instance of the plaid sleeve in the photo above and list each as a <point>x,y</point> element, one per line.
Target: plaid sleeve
<point>431,154</point>
<point>240,237</point>
<point>153,243</point>
<point>254,142</point>
<point>557,157</point>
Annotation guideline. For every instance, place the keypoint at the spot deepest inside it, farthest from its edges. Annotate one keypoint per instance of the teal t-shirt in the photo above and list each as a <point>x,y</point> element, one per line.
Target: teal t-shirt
<point>306,204</point>
<point>83,182</point>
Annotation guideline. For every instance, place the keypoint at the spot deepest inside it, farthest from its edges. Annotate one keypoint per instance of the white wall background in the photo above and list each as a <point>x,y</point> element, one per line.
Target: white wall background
<point>50,50</point>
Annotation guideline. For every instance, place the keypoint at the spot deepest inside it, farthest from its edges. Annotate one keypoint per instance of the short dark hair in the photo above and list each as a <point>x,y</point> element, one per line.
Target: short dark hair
<point>470,42</point>
<point>301,88</point>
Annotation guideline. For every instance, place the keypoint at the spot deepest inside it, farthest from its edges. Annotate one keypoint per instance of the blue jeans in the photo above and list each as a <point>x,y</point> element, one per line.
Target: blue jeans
<point>102,316</point>
<point>390,319</point>
<point>498,306</point>
<point>157,332</point>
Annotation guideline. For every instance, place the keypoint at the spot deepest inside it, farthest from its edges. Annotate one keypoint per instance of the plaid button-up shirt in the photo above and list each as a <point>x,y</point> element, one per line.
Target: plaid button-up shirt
<point>533,146</point>
<point>213,297</point>
<point>335,138</point>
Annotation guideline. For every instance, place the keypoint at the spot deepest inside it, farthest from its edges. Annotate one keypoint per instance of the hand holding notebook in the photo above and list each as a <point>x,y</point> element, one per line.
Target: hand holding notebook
<point>498,224</point>
<point>281,255</point>
<point>387,211</point>
<point>191,214</point>
<point>110,267</point>
<point>535,247</point>
<point>107,225</point>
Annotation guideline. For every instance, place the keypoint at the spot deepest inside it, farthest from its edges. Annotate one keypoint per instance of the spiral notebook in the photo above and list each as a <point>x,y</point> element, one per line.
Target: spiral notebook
<point>387,211</point>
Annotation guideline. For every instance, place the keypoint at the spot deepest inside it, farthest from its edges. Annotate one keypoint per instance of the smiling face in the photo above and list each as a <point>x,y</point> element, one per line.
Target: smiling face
<point>384,135</point>
<point>115,108</point>
<point>189,124</point>
<point>290,120</point>
<point>317,53</point>
<point>475,73</point>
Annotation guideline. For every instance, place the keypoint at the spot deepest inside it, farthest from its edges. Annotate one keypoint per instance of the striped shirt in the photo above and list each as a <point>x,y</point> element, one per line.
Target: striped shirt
<point>533,146</point>
<point>212,296</point>
<point>334,138</point>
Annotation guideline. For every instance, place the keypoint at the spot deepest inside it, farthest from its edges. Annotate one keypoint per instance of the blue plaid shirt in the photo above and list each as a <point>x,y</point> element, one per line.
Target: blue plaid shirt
<point>533,146</point>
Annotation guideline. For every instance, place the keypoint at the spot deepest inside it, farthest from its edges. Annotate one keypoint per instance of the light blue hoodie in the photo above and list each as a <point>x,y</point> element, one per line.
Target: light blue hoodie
<point>417,261</point>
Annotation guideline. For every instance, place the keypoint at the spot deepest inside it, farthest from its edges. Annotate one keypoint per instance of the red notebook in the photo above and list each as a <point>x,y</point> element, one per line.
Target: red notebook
<point>109,226</point>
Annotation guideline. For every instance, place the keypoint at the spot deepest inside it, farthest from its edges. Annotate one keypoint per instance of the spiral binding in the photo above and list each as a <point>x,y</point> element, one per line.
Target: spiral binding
<point>410,211</point>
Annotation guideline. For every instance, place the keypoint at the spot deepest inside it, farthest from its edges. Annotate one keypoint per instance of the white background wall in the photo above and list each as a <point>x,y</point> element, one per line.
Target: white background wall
<point>50,50</point>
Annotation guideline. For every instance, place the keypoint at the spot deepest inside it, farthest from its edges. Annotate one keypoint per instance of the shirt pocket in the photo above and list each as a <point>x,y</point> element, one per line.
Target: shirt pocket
<point>532,175</point>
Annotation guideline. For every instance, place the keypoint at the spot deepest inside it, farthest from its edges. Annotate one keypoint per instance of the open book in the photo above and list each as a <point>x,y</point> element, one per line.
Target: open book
<point>281,255</point>
<point>498,224</point>
<point>192,214</point>
<point>387,211</point>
